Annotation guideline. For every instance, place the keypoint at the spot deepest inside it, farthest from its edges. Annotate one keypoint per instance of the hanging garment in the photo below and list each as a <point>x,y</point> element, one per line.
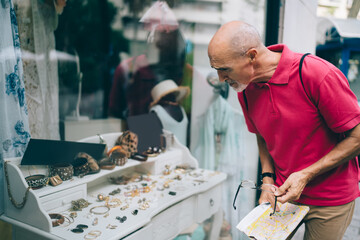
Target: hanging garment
<point>14,126</point>
<point>38,21</point>
<point>121,105</point>
<point>218,147</point>
<point>224,146</point>
<point>179,129</point>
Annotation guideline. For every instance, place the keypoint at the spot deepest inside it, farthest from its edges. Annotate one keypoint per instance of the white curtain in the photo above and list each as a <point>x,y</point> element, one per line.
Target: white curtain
<point>14,126</point>
<point>37,22</point>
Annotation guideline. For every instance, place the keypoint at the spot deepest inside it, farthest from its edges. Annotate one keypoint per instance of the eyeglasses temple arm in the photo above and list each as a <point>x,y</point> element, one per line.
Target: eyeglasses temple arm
<point>274,206</point>
<point>237,191</point>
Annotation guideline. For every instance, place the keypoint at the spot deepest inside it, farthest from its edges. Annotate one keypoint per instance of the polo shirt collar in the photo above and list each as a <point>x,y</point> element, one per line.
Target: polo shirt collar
<point>282,72</point>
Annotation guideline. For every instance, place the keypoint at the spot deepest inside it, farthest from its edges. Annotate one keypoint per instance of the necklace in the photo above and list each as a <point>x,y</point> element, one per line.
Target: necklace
<point>12,200</point>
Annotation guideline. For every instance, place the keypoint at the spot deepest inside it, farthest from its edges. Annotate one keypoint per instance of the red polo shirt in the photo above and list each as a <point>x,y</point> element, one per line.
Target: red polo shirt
<point>299,131</point>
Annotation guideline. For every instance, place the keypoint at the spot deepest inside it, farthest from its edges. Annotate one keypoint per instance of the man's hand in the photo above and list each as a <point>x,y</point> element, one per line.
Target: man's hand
<point>267,195</point>
<point>292,187</point>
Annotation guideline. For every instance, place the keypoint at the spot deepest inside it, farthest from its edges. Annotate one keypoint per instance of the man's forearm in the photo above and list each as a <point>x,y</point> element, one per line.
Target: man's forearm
<point>267,164</point>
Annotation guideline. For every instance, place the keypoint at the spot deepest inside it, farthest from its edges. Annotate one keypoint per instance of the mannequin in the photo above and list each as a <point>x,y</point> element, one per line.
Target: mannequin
<point>166,97</point>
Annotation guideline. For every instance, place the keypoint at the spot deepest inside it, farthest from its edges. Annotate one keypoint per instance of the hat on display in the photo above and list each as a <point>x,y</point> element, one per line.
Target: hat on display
<point>166,87</point>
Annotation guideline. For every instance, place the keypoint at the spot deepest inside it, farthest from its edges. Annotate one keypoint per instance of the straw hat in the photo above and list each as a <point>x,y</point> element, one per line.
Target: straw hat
<point>166,87</point>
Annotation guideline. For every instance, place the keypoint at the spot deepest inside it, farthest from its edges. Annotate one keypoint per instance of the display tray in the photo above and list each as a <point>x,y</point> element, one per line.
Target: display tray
<point>136,204</point>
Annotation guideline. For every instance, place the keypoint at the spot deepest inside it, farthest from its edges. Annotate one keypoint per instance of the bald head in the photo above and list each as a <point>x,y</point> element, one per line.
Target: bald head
<point>234,38</point>
<point>239,57</point>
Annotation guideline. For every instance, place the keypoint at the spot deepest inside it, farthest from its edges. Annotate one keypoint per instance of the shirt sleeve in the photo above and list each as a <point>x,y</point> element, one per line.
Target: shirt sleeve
<point>337,103</point>
<point>249,123</point>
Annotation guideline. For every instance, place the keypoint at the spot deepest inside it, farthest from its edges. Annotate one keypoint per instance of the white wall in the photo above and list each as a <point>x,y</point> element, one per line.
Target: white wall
<point>300,21</point>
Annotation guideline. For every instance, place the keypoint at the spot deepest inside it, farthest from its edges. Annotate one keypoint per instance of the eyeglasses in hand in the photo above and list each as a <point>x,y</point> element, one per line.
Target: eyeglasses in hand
<point>248,184</point>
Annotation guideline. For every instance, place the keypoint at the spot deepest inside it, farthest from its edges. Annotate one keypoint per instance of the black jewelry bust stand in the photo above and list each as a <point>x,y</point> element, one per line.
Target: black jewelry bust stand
<point>174,111</point>
<point>172,107</point>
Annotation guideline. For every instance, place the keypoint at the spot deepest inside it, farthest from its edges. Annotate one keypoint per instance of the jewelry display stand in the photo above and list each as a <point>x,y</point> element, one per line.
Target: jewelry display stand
<point>159,204</point>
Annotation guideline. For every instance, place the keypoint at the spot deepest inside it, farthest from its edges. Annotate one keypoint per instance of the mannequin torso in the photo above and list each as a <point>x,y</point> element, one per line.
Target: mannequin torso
<point>174,119</point>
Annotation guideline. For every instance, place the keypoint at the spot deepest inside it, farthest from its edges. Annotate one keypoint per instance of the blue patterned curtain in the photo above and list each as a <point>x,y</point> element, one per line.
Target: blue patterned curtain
<point>14,125</point>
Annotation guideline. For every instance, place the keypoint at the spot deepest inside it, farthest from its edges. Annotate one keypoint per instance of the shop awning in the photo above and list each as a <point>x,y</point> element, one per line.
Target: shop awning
<point>330,29</point>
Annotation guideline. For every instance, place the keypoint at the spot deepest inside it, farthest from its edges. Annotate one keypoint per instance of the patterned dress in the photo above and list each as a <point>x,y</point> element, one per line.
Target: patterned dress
<point>14,127</point>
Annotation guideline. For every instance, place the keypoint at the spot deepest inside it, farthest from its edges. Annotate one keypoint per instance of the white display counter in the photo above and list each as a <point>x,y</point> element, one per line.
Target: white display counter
<point>188,197</point>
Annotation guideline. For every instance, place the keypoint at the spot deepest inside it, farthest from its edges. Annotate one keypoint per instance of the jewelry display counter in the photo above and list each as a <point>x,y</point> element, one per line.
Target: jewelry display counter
<point>154,199</point>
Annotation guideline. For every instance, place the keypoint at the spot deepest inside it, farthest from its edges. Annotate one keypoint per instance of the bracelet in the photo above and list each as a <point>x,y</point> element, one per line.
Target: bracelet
<point>68,220</point>
<point>106,164</point>
<point>37,181</point>
<point>59,219</point>
<point>118,156</point>
<point>64,170</point>
<point>109,226</point>
<point>113,203</point>
<point>268,174</point>
<point>116,147</point>
<point>81,167</point>
<point>99,213</point>
<point>92,163</point>
<point>92,234</point>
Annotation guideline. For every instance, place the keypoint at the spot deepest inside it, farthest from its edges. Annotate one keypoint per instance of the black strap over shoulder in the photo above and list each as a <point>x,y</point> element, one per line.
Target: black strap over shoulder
<point>245,100</point>
<point>300,67</point>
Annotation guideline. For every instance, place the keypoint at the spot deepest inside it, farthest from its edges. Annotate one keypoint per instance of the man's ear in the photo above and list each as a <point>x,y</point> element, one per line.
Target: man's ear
<point>251,53</point>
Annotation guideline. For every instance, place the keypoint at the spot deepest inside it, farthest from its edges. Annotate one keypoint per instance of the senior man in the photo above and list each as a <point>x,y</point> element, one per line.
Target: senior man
<point>307,125</point>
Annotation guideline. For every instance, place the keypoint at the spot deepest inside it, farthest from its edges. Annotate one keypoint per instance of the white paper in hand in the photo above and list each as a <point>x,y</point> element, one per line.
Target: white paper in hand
<point>258,224</point>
